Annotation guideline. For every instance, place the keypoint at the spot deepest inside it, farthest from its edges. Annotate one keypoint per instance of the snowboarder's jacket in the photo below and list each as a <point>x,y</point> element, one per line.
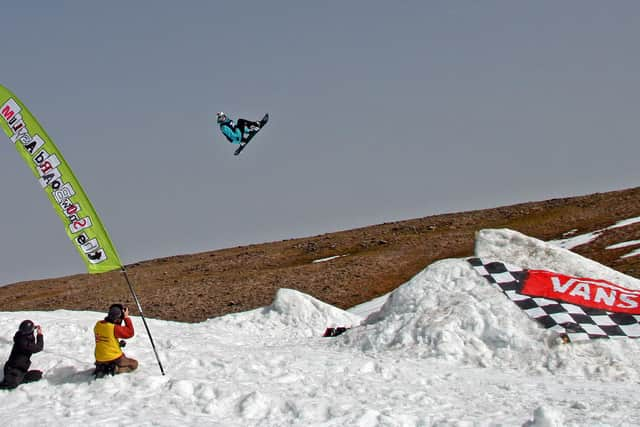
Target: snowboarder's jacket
<point>231,131</point>
<point>107,335</point>
<point>23,347</point>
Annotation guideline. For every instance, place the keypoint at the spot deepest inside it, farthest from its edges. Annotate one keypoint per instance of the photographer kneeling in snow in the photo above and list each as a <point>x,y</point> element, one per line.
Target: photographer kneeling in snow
<point>16,370</point>
<point>110,359</point>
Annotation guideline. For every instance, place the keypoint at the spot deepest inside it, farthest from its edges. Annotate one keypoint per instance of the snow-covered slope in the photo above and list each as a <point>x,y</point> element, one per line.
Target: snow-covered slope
<point>443,349</point>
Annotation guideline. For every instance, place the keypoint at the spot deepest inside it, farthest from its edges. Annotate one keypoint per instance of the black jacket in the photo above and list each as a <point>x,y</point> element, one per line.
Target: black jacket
<point>23,347</point>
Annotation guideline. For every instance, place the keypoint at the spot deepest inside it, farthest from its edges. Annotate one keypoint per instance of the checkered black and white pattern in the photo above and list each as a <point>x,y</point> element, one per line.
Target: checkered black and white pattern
<point>575,322</point>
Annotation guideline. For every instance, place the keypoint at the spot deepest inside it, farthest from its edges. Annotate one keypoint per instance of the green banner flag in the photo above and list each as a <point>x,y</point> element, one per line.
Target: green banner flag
<point>69,200</point>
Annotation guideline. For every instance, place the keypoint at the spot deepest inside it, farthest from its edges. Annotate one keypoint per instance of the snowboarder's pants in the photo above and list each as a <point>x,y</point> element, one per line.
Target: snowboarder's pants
<point>13,377</point>
<point>244,126</point>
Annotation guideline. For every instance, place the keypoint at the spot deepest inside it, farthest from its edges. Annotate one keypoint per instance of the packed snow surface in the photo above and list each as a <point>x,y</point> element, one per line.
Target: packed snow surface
<point>445,349</point>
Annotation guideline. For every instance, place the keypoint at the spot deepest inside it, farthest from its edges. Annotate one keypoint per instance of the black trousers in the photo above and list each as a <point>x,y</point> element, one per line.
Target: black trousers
<point>244,126</point>
<point>13,377</point>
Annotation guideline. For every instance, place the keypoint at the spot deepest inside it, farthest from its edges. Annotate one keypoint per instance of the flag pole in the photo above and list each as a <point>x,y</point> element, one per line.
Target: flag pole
<point>135,297</point>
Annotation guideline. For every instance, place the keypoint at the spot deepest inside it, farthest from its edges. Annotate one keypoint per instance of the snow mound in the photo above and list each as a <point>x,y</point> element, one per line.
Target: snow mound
<point>301,310</point>
<point>515,248</point>
<point>449,312</point>
<point>292,314</point>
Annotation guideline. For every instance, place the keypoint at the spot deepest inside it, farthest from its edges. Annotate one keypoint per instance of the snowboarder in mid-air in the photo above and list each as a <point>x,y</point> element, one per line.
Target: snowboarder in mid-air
<point>239,133</point>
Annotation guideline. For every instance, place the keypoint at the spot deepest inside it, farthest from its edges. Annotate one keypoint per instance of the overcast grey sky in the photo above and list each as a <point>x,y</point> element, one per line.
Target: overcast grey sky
<point>380,111</point>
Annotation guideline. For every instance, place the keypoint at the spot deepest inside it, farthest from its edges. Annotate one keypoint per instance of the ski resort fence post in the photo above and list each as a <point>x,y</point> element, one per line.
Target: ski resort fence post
<point>135,297</point>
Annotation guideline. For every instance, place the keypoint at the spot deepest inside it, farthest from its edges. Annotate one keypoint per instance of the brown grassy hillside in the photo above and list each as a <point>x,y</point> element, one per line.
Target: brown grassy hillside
<point>374,260</point>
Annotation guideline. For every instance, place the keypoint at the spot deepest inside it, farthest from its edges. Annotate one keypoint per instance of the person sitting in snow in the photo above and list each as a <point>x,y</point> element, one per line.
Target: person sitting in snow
<point>16,370</point>
<point>237,133</point>
<point>110,334</point>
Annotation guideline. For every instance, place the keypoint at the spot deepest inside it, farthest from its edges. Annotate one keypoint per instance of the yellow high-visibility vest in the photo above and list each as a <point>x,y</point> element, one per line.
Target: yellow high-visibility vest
<point>107,345</point>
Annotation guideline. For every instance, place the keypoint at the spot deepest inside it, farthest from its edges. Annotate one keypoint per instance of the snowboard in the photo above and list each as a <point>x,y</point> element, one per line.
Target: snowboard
<point>243,144</point>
